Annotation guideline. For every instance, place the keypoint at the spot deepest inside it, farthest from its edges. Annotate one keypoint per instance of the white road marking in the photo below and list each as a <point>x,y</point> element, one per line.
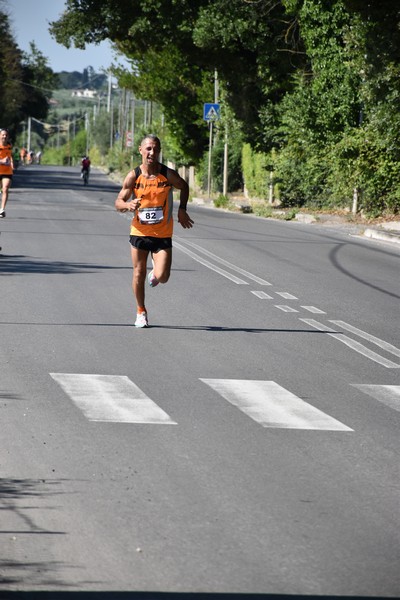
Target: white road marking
<point>287,296</point>
<point>387,394</point>
<point>112,398</point>
<point>367,336</point>
<point>209,265</point>
<point>352,344</point>
<point>273,406</point>
<point>262,295</point>
<point>285,308</point>
<point>227,264</point>
<point>314,309</point>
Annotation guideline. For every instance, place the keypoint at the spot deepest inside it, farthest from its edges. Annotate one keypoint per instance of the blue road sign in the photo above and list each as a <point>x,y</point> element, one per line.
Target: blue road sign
<point>211,112</point>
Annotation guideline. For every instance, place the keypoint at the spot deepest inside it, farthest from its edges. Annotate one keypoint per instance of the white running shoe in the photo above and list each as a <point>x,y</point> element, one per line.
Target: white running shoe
<point>153,281</point>
<point>141,320</point>
<point>2,213</point>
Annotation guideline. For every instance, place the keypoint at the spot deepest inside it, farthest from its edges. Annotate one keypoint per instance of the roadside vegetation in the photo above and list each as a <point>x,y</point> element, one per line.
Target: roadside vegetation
<point>309,93</point>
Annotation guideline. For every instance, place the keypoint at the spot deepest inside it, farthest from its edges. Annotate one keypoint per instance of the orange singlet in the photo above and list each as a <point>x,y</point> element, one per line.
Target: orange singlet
<point>6,152</point>
<point>154,216</point>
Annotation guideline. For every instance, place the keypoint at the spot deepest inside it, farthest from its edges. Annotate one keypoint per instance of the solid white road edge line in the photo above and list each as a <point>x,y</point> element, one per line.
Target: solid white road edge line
<point>228,264</point>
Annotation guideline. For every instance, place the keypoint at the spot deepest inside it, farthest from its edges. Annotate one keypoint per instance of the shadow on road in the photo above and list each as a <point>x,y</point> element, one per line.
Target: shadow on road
<point>20,264</point>
<point>64,178</point>
<point>31,492</point>
<point>110,595</point>
<point>48,574</point>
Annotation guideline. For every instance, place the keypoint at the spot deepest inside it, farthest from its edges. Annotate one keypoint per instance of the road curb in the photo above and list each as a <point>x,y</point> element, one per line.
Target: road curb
<point>382,235</point>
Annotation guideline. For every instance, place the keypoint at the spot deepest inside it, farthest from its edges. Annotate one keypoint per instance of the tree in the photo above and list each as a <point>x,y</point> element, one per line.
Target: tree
<point>39,81</point>
<point>315,81</point>
<point>26,81</point>
<point>174,48</point>
<point>12,93</point>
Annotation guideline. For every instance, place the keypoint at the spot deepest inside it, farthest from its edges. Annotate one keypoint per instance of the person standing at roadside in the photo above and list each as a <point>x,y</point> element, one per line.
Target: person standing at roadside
<point>150,187</point>
<point>6,168</point>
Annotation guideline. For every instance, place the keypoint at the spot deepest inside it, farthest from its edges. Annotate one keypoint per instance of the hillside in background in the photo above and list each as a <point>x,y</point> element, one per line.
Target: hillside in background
<point>88,78</point>
<point>75,104</point>
<point>70,101</point>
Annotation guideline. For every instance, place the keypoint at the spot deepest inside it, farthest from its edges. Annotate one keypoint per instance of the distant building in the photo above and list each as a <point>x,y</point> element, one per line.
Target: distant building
<point>84,93</point>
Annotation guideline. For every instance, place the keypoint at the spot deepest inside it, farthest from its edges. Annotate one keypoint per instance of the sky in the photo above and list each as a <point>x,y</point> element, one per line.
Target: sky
<point>29,21</point>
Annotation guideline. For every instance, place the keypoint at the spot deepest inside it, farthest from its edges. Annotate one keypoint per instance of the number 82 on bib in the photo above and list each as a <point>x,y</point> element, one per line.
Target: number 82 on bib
<point>151,216</point>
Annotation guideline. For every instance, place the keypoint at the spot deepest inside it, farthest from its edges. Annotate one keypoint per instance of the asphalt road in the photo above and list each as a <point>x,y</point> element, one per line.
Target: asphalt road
<point>245,443</point>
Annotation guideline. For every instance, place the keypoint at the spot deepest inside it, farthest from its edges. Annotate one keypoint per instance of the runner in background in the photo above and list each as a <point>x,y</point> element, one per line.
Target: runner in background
<point>6,168</point>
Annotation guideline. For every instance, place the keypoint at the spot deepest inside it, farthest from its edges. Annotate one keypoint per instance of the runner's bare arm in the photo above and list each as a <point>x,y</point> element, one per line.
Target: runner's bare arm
<point>179,183</point>
<point>123,202</point>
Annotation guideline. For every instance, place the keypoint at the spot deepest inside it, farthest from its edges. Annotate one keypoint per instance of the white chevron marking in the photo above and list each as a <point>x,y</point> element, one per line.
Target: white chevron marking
<point>387,394</point>
<point>271,405</point>
<point>111,398</point>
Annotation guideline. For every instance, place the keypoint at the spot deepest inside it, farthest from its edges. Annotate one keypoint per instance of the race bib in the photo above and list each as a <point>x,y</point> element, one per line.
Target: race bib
<point>151,216</point>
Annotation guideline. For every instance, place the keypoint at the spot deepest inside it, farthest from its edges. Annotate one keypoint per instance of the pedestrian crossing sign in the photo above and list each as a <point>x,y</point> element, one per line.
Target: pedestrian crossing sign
<point>211,112</point>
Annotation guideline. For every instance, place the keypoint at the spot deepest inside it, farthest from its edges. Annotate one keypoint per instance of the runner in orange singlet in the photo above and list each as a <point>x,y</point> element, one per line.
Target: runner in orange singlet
<point>6,168</point>
<point>152,223</point>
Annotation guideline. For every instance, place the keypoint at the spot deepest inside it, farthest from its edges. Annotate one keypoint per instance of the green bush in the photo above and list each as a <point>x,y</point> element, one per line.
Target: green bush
<point>222,201</point>
<point>256,168</point>
<point>54,156</point>
<point>118,160</point>
<point>262,210</point>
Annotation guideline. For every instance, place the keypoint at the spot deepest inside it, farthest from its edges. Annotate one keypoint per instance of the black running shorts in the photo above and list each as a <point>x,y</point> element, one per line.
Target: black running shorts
<point>151,244</point>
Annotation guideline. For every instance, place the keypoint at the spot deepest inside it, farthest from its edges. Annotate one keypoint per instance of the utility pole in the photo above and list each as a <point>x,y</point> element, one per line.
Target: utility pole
<point>133,118</point>
<point>29,134</point>
<point>209,160</point>
<point>68,141</point>
<point>87,127</point>
<point>112,124</point>
<point>109,93</point>
<point>225,178</point>
<point>216,89</point>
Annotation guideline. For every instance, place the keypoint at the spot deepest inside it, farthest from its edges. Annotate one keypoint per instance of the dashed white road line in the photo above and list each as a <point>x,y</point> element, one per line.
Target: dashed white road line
<point>261,295</point>
<point>111,398</point>
<point>314,309</point>
<point>353,344</point>
<point>287,296</point>
<point>286,308</point>
<point>273,406</point>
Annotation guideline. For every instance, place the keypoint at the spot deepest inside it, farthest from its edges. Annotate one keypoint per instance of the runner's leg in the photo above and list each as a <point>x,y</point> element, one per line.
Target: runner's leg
<point>162,264</point>
<point>139,262</point>
<point>5,186</point>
